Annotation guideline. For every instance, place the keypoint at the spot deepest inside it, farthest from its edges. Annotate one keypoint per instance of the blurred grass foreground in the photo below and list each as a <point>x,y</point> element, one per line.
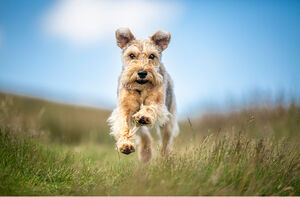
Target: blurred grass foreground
<point>54,149</point>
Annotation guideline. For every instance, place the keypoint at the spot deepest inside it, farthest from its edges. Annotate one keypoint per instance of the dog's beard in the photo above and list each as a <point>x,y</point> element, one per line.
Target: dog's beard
<point>130,79</point>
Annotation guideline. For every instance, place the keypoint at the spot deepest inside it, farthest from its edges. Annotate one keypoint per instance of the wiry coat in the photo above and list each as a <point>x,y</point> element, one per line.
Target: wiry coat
<point>143,100</point>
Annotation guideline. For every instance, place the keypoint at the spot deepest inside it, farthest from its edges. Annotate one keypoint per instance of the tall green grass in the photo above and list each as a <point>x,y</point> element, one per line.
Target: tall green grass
<point>28,167</point>
<point>251,152</point>
<point>227,165</point>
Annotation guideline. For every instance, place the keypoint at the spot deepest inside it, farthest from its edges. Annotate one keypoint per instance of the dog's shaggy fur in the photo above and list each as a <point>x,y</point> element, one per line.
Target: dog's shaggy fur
<point>145,95</point>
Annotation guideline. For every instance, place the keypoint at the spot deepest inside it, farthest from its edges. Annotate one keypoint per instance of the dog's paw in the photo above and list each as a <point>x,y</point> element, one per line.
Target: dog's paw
<point>126,147</point>
<point>142,119</point>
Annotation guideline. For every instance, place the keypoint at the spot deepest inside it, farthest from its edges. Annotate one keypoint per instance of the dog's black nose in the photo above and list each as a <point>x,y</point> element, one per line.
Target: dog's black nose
<point>142,74</point>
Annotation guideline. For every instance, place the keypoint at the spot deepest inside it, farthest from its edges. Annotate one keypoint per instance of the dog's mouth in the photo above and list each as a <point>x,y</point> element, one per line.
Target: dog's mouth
<point>141,81</point>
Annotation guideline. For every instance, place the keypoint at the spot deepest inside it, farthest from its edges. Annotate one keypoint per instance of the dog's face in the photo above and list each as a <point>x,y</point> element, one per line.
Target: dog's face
<point>141,58</point>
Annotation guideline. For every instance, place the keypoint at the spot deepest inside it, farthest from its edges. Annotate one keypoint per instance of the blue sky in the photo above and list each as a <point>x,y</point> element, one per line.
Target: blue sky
<point>65,50</point>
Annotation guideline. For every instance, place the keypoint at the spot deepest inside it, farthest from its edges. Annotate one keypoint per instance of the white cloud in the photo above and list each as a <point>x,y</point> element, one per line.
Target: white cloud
<point>87,21</point>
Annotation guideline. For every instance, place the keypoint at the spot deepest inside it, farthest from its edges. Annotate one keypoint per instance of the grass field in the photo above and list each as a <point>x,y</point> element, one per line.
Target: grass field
<point>53,149</point>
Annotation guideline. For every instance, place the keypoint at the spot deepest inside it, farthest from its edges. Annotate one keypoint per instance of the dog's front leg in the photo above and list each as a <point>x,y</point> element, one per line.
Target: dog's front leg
<point>120,121</point>
<point>154,110</point>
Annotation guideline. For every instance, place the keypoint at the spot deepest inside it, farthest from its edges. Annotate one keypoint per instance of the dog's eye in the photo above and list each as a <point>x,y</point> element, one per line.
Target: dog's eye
<point>132,56</point>
<point>151,56</point>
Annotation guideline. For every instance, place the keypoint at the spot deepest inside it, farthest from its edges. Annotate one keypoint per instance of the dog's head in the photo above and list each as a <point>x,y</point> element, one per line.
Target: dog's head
<point>141,58</point>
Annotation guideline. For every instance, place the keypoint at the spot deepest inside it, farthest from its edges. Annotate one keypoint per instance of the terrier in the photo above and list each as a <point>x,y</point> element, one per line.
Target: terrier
<point>145,95</point>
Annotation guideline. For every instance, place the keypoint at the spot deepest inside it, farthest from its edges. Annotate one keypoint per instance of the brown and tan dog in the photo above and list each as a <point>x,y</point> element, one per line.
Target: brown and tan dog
<point>145,95</point>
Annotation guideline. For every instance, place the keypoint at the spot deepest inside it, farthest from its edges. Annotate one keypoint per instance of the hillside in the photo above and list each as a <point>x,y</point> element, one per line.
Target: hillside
<point>57,122</point>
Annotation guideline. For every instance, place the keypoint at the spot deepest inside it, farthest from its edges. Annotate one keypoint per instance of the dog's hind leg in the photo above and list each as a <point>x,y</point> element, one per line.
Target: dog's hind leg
<point>145,147</point>
<point>166,138</point>
<point>168,131</point>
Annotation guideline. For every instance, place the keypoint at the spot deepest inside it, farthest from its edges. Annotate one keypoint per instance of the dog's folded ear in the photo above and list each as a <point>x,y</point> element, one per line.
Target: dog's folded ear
<point>161,39</point>
<point>123,36</point>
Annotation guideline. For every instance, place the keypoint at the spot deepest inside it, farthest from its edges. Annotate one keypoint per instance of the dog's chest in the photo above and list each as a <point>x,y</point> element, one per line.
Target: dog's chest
<point>141,96</point>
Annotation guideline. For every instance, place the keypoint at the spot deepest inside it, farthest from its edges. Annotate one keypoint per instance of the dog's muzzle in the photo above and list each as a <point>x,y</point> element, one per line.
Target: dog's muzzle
<point>142,74</point>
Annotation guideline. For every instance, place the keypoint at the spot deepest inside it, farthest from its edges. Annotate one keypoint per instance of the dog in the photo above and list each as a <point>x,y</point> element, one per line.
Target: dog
<point>145,96</point>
